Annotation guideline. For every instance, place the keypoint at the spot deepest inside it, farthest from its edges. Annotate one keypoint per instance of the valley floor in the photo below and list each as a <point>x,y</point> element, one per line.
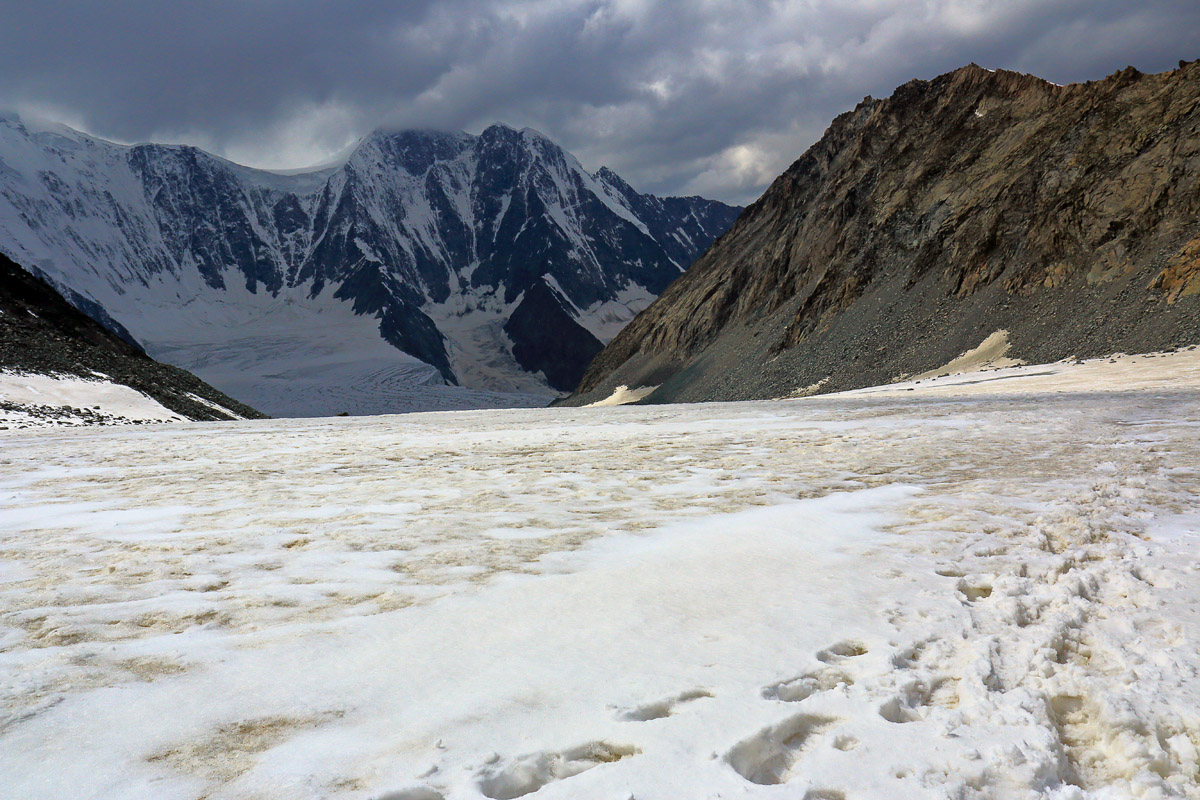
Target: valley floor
<point>922,594</point>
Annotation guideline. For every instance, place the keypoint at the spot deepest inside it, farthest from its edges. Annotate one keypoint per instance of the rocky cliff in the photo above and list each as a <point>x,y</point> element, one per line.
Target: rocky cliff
<point>980,201</point>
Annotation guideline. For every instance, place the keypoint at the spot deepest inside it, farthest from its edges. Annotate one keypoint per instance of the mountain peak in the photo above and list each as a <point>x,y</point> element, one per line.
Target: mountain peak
<point>499,129</point>
<point>414,150</point>
<point>611,178</point>
<point>31,124</point>
<point>386,132</point>
<point>534,133</point>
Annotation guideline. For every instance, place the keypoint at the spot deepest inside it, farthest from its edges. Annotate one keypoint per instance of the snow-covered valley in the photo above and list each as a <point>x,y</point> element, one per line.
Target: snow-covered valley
<point>986,593</point>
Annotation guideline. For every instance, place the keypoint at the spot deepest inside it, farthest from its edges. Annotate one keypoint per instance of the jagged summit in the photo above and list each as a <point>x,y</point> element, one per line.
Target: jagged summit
<point>421,242</point>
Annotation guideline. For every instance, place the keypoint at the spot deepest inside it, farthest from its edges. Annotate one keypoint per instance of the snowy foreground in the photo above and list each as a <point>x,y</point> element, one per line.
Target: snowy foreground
<point>921,595</point>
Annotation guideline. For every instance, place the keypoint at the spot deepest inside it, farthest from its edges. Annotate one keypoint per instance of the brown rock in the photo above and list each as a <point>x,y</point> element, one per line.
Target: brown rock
<point>976,201</point>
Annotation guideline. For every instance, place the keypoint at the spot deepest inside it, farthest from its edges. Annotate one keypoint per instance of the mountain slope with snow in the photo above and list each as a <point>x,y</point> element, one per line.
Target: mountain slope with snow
<point>60,367</point>
<point>404,261</point>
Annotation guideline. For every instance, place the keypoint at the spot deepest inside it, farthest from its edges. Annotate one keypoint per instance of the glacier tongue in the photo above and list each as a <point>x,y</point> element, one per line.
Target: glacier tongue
<point>379,284</point>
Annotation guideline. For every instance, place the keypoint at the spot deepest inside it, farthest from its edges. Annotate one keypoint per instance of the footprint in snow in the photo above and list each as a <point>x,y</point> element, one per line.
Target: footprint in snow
<point>662,708</point>
<point>910,656</point>
<point>770,757</point>
<point>913,700</point>
<point>974,590</point>
<point>808,684</point>
<point>526,774</point>
<point>823,679</point>
<point>841,651</point>
<point>412,793</point>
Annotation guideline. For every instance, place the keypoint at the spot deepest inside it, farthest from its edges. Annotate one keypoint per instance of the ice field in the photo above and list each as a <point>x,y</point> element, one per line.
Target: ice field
<point>989,591</point>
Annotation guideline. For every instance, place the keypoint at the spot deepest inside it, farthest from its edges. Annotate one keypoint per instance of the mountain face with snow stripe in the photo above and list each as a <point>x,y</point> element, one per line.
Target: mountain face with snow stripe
<point>407,259</point>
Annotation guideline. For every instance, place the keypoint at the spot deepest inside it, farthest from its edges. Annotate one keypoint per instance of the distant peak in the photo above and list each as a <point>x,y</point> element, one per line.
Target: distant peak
<point>534,133</point>
<point>499,127</point>
<point>414,150</point>
<point>33,123</point>
<point>499,130</point>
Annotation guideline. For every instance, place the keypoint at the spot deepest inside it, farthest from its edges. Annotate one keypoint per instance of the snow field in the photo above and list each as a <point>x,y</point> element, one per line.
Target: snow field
<point>300,356</point>
<point>834,597</point>
<point>32,400</point>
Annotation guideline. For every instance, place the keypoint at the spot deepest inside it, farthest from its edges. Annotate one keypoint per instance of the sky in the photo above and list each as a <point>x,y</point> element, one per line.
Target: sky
<point>709,97</point>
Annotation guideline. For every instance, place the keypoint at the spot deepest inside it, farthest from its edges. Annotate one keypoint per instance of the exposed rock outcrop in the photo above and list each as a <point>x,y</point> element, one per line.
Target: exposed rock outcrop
<point>547,339</point>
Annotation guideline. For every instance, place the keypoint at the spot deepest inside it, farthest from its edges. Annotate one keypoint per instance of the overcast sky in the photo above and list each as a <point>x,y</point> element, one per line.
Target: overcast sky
<point>711,97</point>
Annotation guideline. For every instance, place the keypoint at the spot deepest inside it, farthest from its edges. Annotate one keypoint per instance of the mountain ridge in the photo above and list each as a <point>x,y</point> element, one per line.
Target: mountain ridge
<point>432,237</point>
<point>42,334</point>
<point>920,224</point>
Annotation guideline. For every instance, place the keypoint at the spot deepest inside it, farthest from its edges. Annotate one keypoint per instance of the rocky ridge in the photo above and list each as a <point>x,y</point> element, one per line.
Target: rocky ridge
<point>979,201</point>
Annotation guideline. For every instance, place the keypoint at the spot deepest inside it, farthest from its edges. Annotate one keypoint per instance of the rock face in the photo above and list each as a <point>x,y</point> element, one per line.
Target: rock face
<point>918,225</point>
<point>548,340</point>
<point>43,334</point>
<point>421,242</point>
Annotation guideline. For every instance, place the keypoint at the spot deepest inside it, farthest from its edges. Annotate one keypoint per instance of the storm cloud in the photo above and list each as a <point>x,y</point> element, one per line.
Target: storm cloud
<point>709,96</point>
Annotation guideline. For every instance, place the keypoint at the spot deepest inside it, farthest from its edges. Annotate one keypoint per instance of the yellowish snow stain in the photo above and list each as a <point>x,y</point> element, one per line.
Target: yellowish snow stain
<point>808,391</point>
<point>1121,372</point>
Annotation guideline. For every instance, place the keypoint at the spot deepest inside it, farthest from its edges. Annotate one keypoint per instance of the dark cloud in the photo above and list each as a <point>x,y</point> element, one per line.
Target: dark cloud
<point>707,96</point>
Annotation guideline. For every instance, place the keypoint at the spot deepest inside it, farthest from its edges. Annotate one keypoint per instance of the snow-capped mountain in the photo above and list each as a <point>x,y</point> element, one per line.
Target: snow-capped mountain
<point>427,270</point>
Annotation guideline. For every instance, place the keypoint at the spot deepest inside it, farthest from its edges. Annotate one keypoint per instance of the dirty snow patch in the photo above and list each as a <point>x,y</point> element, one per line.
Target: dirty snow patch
<point>623,395</point>
<point>989,353</point>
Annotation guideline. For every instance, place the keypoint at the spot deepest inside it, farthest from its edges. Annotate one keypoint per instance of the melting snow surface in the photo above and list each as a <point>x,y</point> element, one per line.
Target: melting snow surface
<point>913,596</point>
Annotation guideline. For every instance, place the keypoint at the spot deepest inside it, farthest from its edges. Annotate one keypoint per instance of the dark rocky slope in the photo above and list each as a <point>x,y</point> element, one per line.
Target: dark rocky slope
<point>42,333</point>
<point>547,339</point>
<point>920,224</point>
